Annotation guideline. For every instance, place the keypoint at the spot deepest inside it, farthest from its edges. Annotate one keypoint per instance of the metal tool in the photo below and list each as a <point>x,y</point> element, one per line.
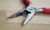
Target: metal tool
<point>29,11</point>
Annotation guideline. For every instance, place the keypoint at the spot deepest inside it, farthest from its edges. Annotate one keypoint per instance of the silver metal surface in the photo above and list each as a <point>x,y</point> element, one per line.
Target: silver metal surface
<point>39,10</point>
<point>29,16</point>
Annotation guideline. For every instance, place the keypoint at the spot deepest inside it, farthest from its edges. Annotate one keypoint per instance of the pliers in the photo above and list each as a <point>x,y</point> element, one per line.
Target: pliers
<point>29,11</point>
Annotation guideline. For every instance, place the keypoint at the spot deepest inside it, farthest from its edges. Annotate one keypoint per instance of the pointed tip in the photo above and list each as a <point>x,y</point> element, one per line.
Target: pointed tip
<point>23,24</point>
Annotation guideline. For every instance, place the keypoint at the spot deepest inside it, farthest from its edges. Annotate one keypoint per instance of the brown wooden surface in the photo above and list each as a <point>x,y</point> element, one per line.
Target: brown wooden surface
<point>9,7</point>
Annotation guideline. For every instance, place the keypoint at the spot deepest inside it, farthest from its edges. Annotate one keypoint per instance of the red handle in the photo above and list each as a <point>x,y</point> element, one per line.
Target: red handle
<point>27,2</point>
<point>46,10</point>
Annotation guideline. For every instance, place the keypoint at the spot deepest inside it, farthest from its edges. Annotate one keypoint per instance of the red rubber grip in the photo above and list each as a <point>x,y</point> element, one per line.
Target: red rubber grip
<point>46,10</point>
<point>27,1</point>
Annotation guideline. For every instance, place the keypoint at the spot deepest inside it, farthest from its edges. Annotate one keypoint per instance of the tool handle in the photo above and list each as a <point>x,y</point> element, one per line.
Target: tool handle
<point>46,10</point>
<point>27,2</point>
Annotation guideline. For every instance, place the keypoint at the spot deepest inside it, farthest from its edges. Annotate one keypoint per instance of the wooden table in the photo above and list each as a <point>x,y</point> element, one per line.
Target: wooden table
<point>9,7</point>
